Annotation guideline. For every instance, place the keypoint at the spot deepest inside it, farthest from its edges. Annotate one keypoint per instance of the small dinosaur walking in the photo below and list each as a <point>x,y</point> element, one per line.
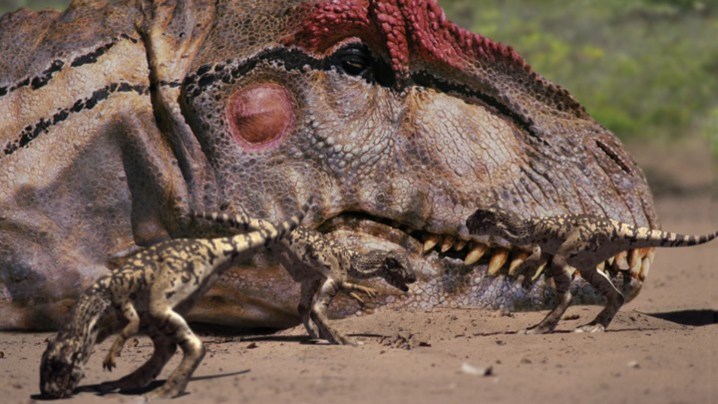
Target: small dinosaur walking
<point>148,293</point>
<point>321,265</point>
<point>578,241</point>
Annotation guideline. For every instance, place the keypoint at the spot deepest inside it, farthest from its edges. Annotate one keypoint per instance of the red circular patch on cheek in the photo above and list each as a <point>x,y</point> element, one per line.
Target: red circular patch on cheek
<point>260,116</point>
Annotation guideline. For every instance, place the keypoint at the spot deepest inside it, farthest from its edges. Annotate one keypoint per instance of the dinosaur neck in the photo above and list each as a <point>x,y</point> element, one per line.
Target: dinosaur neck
<point>85,322</point>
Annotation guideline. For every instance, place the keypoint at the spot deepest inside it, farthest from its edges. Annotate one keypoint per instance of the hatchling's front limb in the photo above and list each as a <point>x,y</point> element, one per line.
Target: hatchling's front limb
<point>131,329</point>
<point>170,323</point>
<point>308,291</point>
<point>354,290</point>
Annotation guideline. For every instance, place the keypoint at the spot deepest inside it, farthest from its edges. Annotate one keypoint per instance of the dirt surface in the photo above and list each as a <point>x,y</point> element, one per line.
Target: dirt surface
<point>661,348</point>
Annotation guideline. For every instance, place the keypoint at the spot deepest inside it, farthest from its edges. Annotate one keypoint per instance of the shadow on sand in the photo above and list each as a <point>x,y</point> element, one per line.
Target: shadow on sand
<point>694,318</point>
<point>98,388</point>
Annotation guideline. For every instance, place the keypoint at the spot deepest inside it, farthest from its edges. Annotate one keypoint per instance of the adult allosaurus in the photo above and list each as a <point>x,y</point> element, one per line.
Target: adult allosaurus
<point>119,118</point>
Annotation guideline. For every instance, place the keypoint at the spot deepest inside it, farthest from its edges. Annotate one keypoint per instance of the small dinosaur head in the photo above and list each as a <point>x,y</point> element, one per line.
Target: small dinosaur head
<point>397,271</point>
<point>496,222</point>
<point>61,368</point>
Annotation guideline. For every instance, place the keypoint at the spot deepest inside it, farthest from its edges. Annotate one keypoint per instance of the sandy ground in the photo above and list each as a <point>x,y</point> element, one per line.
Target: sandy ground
<point>661,348</point>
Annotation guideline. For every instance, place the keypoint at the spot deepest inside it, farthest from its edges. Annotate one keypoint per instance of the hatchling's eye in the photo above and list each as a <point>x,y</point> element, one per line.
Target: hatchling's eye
<point>354,60</point>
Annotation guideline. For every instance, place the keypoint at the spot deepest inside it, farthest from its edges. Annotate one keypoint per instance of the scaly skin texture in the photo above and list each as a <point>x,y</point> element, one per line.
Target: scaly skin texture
<point>117,120</point>
<point>573,243</point>
<point>149,293</point>
<point>322,266</point>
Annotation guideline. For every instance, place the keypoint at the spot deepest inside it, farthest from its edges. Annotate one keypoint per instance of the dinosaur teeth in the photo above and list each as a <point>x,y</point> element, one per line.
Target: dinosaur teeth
<point>646,264</point>
<point>477,251</point>
<point>516,263</point>
<point>431,241</point>
<point>497,261</point>
<point>460,244</point>
<point>602,267</point>
<point>635,260</point>
<point>621,261</point>
<point>539,270</point>
<point>447,244</point>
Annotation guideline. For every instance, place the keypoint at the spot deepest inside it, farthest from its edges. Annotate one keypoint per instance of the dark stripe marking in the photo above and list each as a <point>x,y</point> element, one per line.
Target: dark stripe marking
<point>92,56</point>
<point>57,65</point>
<point>31,132</point>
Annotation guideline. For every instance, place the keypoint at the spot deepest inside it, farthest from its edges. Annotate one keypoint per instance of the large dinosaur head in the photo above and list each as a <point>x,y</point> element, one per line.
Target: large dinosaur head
<point>401,122</point>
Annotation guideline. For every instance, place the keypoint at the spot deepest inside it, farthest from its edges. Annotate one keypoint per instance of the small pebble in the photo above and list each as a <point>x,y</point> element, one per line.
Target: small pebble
<point>476,371</point>
<point>633,364</point>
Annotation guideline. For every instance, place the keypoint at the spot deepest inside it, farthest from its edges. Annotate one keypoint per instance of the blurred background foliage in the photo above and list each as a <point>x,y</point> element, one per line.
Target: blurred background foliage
<point>643,68</point>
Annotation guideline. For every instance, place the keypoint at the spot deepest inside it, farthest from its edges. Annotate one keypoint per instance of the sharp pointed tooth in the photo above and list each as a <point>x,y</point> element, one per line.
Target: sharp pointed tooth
<point>516,262</point>
<point>447,244</point>
<point>431,241</point>
<point>477,251</point>
<point>539,271</point>
<point>635,259</point>
<point>611,260</point>
<point>621,262</point>
<point>497,261</point>
<point>602,266</point>
<point>460,245</point>
<point>647,262</point>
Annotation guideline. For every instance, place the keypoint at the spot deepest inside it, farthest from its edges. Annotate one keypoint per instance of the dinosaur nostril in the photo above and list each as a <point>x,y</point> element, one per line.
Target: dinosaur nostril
<point>261,115</point>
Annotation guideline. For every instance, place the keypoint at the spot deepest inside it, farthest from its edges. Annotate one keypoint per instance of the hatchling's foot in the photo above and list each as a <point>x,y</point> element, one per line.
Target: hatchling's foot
<point>167,390</point>
<point>337,338</point>
<point>538,329</point>
<point>591,328</point>
<point>333,336</point>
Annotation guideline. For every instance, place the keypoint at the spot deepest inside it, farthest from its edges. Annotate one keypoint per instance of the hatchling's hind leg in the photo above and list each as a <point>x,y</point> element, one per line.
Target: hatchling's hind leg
<point>308,291</point>
<point>562,278</point>
<point>176,329</point>
<point>614,300</point>
<point>325,295</point>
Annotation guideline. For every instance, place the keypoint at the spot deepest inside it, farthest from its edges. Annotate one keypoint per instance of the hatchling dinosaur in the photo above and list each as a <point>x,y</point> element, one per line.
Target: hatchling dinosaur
<point>583,242</point>
<point>148,293</point>
<point>118,118</point>
<point>322,266</point>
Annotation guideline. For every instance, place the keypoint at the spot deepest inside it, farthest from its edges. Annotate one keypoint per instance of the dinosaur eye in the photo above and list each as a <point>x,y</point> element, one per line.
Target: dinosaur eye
<point>354,60</point>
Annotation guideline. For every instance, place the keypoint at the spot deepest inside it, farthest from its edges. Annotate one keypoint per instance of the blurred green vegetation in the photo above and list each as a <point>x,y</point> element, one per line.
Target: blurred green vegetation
<point>643,68</point>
